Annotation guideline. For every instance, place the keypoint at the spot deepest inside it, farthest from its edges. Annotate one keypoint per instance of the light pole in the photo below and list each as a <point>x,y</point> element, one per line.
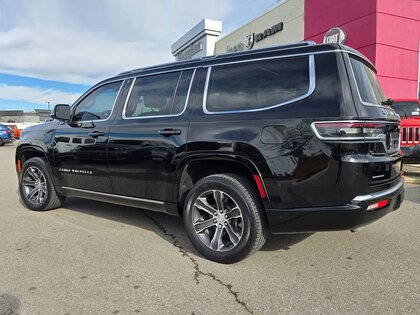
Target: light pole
<point>48,105</point>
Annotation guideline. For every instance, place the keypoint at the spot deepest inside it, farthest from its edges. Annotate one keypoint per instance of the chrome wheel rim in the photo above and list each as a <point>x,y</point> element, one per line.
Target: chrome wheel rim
<point>34,185</point>
<point>217,220</point>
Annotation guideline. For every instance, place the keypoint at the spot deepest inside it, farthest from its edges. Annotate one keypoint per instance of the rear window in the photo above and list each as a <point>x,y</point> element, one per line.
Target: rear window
<point>367,84</point>
<point>257,85</point>
<point>406,108</point>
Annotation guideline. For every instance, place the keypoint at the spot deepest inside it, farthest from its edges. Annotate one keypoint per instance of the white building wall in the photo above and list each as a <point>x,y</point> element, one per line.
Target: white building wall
<point>198,41</point>
<point>291,13</point>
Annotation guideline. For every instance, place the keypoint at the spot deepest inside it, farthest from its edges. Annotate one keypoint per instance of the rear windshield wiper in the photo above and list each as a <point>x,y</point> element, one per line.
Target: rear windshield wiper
<point>388,102</point>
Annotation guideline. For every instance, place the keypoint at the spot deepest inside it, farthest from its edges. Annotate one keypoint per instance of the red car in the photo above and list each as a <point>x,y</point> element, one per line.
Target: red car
<point>409,111</point>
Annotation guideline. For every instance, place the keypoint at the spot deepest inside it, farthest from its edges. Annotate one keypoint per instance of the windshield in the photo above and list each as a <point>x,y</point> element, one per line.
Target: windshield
<point>369,89</point>
<point>406,108</point>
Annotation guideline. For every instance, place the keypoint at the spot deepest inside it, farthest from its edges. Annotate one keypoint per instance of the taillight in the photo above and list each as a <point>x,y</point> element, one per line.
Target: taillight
<point>8,131</point>
<point>377,205</point>
<point>350,131</point>
<point>383,137</point>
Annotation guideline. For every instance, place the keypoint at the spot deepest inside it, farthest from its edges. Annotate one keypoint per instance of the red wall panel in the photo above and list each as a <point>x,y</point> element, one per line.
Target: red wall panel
<point>385,31</point>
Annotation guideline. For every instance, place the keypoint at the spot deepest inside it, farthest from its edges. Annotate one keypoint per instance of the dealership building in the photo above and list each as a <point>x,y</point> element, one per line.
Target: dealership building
<point>385,31</point>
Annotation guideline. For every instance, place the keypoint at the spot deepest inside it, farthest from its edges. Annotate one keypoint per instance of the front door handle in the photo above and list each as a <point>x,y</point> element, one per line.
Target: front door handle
<point>96,134</point>
<point>169,132</point>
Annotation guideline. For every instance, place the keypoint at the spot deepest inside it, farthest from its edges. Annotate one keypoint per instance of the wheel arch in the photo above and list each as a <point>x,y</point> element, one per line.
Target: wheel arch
<point>197,168</point>
<point>28,151</point>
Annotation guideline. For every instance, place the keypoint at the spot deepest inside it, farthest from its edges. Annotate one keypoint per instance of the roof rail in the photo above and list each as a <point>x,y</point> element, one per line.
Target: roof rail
<point>130,71</point>
<point>273,47</point>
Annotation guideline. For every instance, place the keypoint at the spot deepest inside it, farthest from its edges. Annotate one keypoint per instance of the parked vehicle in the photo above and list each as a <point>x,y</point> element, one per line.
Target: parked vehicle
<point>6,135</point>
<point>14,128</point>
<point>284,139</point>
<point>409,111</point>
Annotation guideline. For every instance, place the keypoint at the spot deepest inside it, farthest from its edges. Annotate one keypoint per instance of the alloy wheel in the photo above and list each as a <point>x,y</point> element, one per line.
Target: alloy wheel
<point>34,185</point>
<point>217,220</point>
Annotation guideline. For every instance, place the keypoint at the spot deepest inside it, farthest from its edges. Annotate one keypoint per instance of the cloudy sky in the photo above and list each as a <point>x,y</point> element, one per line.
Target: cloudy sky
<point>54,50</point>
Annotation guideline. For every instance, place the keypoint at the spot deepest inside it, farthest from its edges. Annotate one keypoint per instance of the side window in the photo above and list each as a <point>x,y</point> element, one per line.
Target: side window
<point>256,85</point>
<point>98,104</point>
<point>369,89</point>
<point>161,94</point>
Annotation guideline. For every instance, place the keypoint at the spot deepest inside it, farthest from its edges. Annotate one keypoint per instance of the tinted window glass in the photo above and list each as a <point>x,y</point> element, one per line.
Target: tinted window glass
<point>259,84</point>
<point>367,84</point>
<point>181,92</point>
<point>406,108</point>
<point>162,94</point>
<point>98,104</point>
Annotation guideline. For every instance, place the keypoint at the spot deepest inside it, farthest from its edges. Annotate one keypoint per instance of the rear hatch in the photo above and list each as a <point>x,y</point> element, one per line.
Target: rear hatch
<point>381,124</point>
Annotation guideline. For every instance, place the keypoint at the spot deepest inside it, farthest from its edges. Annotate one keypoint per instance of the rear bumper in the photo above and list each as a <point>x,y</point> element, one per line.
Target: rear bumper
<point>337,218</point>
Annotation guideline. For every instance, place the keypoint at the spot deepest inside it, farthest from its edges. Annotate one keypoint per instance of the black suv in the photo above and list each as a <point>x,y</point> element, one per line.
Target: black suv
<point>294,138</point>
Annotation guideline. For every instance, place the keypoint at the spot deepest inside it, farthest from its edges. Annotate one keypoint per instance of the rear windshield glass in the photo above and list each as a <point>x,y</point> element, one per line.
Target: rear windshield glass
<point>406,108</point>
<point>369,89</point>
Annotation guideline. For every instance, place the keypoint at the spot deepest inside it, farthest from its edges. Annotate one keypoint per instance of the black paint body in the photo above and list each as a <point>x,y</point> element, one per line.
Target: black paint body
<point>309,184</point>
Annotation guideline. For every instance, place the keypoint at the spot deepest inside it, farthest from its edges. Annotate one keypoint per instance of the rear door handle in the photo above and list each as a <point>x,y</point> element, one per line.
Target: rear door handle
<point>169,132</point>
<point>96,134</point>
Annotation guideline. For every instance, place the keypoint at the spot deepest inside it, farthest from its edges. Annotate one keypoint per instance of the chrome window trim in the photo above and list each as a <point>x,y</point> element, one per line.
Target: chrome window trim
<point>113,105</point>
<point>311,89</point>
<point>114,195</point>
<point>355,82</point>
<point>159,116</point>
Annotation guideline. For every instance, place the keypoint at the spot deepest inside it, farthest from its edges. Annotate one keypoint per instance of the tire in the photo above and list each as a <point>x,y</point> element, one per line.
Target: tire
<point>1,142</point>
<point>217,229</point>
<point>34,175</point>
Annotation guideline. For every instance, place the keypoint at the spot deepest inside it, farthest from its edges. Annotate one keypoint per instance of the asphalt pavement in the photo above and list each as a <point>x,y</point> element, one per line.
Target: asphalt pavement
<point>95,258</point>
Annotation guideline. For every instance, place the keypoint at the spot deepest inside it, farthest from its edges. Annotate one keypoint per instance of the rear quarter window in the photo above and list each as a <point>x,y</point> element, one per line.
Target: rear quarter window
<point>257,85</point>
<point>370,92</point>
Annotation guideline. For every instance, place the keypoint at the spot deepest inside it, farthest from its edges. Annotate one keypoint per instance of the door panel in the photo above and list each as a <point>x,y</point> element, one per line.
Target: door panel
<point>149,139</point>
<point>79,147</point>
<point>142,162</point>
<point>80,157</point>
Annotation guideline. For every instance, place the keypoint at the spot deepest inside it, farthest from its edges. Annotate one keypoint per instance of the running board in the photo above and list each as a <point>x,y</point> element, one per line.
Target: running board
<point>148,204</point>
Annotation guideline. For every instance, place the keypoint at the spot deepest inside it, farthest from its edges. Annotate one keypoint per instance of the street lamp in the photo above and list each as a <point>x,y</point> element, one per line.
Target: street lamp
<point>48,105</point>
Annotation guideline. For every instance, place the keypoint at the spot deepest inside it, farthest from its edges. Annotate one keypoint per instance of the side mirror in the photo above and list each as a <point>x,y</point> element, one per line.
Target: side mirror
<point>61,112</point>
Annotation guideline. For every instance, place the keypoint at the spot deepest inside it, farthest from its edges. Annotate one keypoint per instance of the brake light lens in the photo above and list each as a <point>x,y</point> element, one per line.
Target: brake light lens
<point>349,130</point>
<point>377,205</point>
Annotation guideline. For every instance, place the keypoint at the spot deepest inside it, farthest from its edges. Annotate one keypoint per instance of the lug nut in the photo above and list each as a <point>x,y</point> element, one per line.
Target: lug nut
<point>214,220</point>
<point>220,226</point>
<point>221,211</point>
<point>225,223</point>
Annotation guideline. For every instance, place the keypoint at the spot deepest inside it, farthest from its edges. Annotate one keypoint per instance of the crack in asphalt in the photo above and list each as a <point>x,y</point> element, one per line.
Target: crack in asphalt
<point>197,271</point>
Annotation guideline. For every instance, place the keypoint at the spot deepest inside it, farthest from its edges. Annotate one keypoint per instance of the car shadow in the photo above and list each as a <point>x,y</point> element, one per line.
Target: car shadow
<point>411,193</point>
<point>168,227</point>
<point>283,241</point>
